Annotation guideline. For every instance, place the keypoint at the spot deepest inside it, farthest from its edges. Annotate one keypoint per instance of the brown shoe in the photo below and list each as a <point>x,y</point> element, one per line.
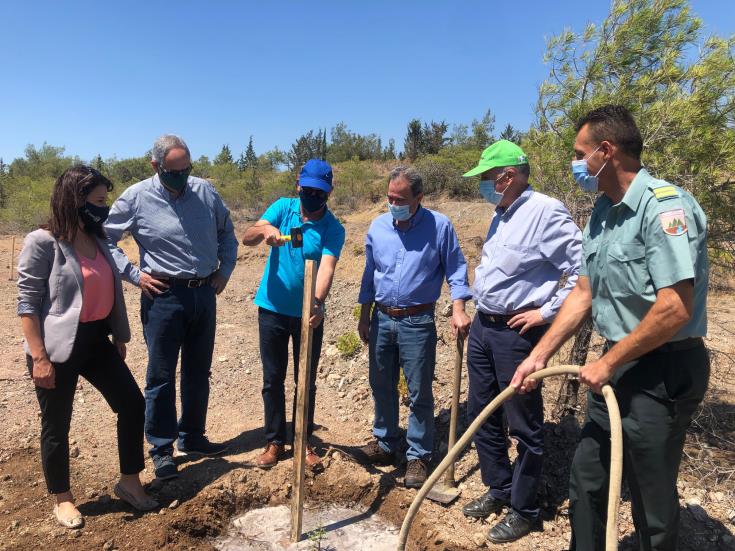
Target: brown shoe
<point>270,456</point>
<point>313,461</point>
<point>415,474</point>
<point>373,453</point>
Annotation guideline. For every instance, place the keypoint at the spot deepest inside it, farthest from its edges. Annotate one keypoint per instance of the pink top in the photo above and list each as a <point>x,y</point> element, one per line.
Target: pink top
<point>98,291</point>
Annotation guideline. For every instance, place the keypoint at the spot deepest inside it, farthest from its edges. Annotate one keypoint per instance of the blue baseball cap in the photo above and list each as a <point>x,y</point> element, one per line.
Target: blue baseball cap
<point>317,174</point>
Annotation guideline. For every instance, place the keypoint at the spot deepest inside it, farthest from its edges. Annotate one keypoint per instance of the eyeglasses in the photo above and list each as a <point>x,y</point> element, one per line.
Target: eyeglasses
<point>181,172</point>
<point>313,192</point>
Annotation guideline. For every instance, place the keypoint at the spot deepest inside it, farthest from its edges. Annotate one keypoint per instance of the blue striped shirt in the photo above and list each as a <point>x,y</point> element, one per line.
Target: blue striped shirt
<point>530,247</point>
<point>184,237</point>
<point>407,268</point>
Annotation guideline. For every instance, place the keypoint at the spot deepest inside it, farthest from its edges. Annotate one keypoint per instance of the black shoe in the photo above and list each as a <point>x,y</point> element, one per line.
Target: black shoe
<point>415,474</point>
<point>483,506</point>
<point>374,454</point>
<point>165,468</point>
<point>202,447</point>
<point>512,527</point>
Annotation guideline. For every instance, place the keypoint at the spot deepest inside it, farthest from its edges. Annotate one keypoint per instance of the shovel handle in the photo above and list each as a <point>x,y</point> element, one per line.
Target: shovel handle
<point>456,384</point>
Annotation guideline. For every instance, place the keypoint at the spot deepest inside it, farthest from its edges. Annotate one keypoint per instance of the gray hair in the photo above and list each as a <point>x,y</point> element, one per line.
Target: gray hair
<point>166,143</point>
<point>413,176</point>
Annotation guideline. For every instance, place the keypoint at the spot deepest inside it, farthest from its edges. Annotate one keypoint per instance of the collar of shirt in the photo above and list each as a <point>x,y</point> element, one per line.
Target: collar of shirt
<point>522,198</point>
<point>634,193</point>
<point>164,192</point>
<point>414,221</point>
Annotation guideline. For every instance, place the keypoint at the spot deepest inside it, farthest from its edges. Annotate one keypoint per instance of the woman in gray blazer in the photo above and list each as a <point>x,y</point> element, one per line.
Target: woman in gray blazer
<point>70,300</point>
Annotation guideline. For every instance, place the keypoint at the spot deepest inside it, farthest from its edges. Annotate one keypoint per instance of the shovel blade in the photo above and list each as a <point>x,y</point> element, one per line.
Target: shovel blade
<point>443,494</point>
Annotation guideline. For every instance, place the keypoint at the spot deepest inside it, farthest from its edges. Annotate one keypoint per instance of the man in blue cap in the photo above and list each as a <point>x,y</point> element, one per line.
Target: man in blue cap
<point>280,295</point>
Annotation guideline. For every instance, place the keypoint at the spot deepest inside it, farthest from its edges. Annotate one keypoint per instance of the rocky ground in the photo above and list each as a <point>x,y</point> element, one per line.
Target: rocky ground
<point>198,506</point>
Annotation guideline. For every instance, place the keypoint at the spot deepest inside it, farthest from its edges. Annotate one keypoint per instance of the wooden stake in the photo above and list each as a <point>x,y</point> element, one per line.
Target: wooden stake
<point>12,260</point>
<point>302,403</point>
<point>449,479</point>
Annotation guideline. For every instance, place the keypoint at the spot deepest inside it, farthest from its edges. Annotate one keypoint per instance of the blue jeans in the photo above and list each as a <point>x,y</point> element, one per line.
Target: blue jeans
<point>178,320</point>
<point>408,343</point>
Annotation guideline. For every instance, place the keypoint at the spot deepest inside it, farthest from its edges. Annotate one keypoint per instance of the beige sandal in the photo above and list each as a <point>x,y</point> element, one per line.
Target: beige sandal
<point>73,523</point>
<point>147,504</point>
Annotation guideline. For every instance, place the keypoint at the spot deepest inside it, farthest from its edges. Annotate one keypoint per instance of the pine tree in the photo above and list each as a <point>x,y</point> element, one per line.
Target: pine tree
<point>251,159</point>
<point>413,143</point>
<point>224,157</point>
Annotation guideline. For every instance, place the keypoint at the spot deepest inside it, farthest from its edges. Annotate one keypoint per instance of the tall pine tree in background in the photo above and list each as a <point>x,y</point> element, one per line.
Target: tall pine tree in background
<point>224,157</point>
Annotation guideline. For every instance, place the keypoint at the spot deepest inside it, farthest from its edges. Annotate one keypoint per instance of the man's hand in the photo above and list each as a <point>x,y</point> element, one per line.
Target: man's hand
<point>596,374</point>
<point>460,323</point>
<point>218,281</point>
<point>363,329</point>
<point>44,375</point>
<point>317,314</point>
<point>520,381</point>
<point>151,286</point>
<point>527,320</point>
<point>121,349</point>
<point>272,236</point>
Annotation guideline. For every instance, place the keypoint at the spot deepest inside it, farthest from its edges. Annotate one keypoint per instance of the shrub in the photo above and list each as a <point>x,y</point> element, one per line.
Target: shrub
<point>349,344</point>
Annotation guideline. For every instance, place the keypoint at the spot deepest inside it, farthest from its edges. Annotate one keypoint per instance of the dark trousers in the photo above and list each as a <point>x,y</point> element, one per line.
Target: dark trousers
<point>494,351</point>
<point>275,331</point>
<point>657,394</point>
<point>96,359</point>
<point>178,320</point>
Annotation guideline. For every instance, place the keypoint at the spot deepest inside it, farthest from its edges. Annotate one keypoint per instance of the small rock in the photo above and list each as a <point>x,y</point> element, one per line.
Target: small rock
<point>74,452</point>
<point>446,312</point>
<point>109,545</point>
<point>248,371</point>
<point>162,511</point>
<point>174,504</point>
<point>14,524</point>
<point>222,359</point>
<point>479,539</point>
<point>75,533</point>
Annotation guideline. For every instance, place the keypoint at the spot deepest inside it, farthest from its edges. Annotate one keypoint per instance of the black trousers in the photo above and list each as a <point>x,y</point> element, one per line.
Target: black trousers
<point>96,359</point>
<point>494,351</point>
<point>657,394</point>
<point>275,331</point>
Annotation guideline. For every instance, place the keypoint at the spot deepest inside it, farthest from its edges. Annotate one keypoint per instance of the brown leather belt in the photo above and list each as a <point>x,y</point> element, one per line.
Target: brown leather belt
<point>403,312</point>
<point>501,318</point>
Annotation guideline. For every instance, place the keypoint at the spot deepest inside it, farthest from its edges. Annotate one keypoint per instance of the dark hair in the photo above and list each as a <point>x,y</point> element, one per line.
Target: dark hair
<point>412,176</point>
<point>69,193</point>
<point>614,123</point>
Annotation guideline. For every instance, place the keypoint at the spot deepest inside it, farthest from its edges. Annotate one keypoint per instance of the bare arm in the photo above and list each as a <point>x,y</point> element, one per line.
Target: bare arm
<point>324,278</point>
<point>262,230</point>
<point>574,311</point>
<point>671,311</point>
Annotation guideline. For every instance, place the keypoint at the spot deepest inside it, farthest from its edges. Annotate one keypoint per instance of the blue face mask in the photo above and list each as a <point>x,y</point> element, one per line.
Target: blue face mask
<point>487,190</point>
<point>400,213</point>
<point>581,174</point>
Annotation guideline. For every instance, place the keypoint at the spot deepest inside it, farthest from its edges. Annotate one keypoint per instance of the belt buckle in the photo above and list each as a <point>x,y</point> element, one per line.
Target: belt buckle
<point>194,283</point>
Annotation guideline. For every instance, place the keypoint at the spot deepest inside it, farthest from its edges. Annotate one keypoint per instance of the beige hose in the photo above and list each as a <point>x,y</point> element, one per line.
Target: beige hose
<point>616,456</point>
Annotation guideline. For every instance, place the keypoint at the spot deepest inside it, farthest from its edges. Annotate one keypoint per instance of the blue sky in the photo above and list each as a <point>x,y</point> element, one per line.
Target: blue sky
<point>108,77</point>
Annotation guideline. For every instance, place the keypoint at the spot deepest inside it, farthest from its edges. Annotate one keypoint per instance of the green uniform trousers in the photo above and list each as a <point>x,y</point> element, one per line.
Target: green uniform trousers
<point>658,394</point>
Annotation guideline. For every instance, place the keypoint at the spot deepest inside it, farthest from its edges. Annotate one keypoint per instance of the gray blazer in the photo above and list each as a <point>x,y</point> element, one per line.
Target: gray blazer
<point>50,286</point>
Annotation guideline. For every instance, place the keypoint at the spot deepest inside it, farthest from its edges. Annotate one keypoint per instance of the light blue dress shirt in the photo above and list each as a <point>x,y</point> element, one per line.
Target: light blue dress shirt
<point>184,237</point>
<point>530,246</point>
<point>407,268</point>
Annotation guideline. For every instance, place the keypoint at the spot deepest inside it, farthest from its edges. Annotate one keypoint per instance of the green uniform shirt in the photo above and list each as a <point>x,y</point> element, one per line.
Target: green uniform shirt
<point>655,237</point>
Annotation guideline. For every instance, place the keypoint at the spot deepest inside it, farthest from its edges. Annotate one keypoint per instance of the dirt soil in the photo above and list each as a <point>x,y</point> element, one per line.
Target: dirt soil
<point>199,505</point>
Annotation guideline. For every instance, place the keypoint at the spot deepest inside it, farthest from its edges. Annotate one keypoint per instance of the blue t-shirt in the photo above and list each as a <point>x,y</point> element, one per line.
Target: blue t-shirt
<point>282,286</point>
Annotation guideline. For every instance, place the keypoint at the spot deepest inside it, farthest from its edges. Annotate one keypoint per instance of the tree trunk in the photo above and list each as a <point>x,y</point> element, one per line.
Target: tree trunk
<point>568,398</point>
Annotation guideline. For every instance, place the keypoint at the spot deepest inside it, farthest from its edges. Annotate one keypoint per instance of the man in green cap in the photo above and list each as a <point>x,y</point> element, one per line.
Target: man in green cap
<point>531,246</point>
<point>644,282</point>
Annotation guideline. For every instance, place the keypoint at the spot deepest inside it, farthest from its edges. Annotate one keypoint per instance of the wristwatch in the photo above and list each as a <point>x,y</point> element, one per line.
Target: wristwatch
<point>319,305</point>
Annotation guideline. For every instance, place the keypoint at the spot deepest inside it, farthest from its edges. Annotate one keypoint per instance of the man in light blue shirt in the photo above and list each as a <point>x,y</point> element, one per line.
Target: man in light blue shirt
<point>530,263</point>
<point>187,251</point>
<point>281,294</point>
<point>409,251</point>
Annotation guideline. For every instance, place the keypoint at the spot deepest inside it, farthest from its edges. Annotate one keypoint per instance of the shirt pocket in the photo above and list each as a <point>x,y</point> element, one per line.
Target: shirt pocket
<point>627,272</point>
<point>513,259</point>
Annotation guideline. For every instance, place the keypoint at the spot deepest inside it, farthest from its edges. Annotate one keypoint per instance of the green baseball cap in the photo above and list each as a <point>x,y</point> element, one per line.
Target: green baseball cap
<point>501,153</point>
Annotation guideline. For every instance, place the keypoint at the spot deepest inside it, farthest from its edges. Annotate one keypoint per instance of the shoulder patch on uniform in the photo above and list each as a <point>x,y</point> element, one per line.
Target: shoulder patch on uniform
<point>665,192</point>
<point>673,222</point>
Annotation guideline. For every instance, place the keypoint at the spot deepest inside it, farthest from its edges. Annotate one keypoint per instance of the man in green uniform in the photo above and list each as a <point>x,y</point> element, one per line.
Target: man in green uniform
<point>644,281</point>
